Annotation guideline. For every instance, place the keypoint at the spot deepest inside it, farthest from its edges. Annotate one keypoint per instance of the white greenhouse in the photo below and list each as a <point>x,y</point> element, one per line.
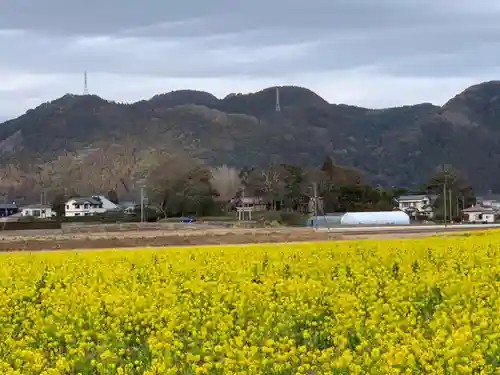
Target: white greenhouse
<point>376,218</point>
<point>359,218</point>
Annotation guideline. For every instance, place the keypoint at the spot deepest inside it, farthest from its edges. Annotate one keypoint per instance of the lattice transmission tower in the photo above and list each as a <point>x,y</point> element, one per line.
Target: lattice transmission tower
<point>85,84</point>
<point>278,108</point>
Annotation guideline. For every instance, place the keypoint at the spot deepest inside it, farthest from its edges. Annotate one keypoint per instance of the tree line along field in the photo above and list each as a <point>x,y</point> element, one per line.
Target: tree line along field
<point>352,307</point>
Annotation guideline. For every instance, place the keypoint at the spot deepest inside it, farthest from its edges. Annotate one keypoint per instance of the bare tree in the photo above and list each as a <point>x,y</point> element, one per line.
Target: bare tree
<point>271,184</point>
<point>227,183</point>
<point>167,180</point>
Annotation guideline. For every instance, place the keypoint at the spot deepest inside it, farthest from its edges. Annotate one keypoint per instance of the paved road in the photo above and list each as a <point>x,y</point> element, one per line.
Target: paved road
<point>407,228</point>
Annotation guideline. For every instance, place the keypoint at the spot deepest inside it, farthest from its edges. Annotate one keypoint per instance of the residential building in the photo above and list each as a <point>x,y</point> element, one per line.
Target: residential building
<point>39,211</point>
<point>129,207</point>
<point>256,203</point>
<point>489,200</point>
<point>106,203</point>
<point>88,206</point>
<point>480,214</point>
<point>8,209</point>
<point>417,205</point>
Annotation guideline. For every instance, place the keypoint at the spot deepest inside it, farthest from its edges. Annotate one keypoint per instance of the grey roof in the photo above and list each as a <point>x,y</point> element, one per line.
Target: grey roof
<point>488,197</point>
<point>35,206</point>
<point>479,208</point>
<point>415,197</point>
<point>7,206</point>
<point>84,200</point>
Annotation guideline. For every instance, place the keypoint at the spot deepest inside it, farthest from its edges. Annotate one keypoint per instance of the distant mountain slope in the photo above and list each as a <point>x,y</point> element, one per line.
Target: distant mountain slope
<point>394,146</point>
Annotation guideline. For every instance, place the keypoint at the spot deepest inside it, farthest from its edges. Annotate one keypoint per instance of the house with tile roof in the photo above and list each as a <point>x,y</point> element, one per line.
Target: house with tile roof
<point>87,206</point>
<point>417,205</point>
<point>480,214</point>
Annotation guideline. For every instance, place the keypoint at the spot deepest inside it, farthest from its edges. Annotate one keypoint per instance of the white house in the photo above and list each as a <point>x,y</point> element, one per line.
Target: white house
<point>88,206</point>
<point>39,211</point>
<point>417,205</point>
<point>480,214</point>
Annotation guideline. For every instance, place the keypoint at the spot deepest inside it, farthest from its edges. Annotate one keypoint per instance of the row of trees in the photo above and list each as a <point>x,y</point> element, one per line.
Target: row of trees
<point>192,188</point>
<point>177,184</point>
<point>450,184</point>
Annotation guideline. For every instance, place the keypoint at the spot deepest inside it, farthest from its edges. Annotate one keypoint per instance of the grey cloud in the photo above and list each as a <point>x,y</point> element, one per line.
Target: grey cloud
<point>261,38</point>
<point>213,55</point>
<point>218,16</point>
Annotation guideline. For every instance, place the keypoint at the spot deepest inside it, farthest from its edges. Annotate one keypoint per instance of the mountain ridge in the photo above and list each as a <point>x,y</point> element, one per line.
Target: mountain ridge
<point>393,146</point>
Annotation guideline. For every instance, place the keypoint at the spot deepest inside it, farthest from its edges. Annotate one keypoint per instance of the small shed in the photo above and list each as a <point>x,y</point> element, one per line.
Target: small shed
<point>376,218</point>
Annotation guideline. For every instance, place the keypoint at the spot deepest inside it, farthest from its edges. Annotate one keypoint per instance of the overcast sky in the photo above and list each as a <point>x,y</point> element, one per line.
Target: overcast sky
<point>374,53</point>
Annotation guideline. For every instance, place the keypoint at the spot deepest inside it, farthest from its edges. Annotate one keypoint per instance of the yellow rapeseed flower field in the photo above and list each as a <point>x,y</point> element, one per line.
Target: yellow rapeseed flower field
<point>356,307</point>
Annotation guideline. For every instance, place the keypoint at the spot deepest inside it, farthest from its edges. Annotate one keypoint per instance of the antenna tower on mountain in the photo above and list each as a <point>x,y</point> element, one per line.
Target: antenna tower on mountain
<point>85,84</point>
<point>278,108</point>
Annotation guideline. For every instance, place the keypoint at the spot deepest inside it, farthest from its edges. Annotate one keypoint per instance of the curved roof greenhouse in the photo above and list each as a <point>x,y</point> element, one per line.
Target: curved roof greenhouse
<point>375,218</point>
<point>360,218</point>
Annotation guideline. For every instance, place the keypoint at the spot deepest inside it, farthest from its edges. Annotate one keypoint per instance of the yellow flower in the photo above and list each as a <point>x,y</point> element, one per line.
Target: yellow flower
<point>384,306</point>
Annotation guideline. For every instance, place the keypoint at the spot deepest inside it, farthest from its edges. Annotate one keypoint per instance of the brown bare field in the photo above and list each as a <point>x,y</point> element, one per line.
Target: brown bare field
<point>58,241</point>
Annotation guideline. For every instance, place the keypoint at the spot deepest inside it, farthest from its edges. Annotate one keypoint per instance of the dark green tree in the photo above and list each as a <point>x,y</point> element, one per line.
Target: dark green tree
<point>450,179</point>
<point>58,204</point>
<point>113,196</point>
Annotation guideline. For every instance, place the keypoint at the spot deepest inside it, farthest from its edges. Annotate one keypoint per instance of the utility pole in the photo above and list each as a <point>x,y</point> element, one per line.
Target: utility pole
<point>142,204</point>
<point>242,214</point>
<point>315,203</point>
<point>451,210</point>
<point>444,199</point>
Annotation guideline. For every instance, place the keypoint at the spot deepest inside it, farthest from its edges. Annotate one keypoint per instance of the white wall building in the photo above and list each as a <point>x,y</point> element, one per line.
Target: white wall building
<point>417,205</point>
<point>38,211</point>
<point>88,206</point>
<point>480,214</point>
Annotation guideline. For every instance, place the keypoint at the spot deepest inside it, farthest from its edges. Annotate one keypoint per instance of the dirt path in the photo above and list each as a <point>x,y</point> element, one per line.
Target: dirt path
<point>183,238</point>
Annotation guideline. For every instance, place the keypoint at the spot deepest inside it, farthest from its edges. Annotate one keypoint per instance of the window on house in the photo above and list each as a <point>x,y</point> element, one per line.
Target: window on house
<point>36,213</point>
<point>76,205</point>
<point>67,206</point>
<point>86,206</point>
<point>77,214</point>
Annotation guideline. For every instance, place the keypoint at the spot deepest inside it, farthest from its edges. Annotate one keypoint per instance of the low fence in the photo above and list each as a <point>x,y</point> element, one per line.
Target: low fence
<point>29,225</point>
<point>157,226</point>
<point>118,227</point>
<point>82,227</point>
